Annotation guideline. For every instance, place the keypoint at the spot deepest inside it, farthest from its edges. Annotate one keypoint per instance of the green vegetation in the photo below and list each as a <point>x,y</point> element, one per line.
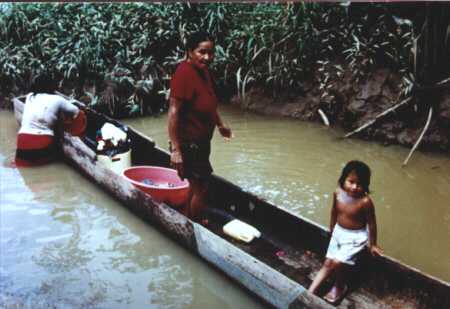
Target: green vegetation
<point>118,57</point>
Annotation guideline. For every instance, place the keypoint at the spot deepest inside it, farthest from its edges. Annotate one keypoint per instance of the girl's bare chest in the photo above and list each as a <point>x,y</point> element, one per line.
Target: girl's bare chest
<point>353,209</point>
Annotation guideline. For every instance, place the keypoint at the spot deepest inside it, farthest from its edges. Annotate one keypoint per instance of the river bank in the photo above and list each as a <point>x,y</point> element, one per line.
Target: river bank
<point>347,105</point>
<point>350,106</point>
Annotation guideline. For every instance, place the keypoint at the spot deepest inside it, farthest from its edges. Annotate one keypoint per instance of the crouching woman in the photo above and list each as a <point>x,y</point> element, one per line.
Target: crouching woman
<point>42,111</point>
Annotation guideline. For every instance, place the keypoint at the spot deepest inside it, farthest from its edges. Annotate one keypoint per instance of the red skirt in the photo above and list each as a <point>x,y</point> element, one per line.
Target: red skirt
<point>34,149</point>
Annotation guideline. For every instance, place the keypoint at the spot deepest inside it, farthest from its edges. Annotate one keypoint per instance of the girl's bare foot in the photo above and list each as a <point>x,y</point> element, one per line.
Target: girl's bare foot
<point>335,295</point>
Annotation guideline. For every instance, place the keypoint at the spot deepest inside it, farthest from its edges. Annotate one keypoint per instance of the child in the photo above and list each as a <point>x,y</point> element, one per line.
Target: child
<point>353,226</point>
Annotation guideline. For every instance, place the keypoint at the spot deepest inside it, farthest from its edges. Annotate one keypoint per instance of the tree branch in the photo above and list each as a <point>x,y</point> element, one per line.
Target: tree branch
<point>425,128</point>
<point>367,124</point>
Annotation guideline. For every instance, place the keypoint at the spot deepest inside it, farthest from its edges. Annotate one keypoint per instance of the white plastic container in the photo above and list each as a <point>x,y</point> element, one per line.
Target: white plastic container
<point>241,230</point>
<point>117,163</point>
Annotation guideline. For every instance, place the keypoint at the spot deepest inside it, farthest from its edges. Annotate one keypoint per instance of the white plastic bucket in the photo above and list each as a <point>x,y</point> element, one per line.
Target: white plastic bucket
<point>117,163</point>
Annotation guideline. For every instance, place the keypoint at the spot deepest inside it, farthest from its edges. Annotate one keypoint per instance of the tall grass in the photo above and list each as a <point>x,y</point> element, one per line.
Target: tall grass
<point>119,56</point>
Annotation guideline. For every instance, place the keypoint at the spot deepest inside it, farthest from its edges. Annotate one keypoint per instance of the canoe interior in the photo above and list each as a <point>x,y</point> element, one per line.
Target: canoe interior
<point>293,245</point>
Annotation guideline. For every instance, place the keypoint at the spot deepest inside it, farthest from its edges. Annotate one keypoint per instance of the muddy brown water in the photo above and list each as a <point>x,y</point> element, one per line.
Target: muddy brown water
<point>296,165</point>
<point>65,242</point>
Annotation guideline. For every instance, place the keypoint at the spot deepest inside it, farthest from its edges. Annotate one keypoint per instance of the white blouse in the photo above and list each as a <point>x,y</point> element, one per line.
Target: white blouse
<point>41,111</point>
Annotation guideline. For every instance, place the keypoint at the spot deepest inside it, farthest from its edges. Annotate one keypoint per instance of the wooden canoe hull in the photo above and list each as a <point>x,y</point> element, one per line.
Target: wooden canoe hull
<point>279,282</point>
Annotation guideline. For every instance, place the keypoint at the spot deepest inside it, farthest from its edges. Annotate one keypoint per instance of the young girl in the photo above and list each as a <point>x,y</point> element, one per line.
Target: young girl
<point>353,227</point>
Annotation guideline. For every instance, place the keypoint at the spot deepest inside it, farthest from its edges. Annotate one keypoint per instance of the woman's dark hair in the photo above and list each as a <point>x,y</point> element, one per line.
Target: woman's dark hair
<point>196,38</point>
<point>361,170</point>
<point>43,83</point>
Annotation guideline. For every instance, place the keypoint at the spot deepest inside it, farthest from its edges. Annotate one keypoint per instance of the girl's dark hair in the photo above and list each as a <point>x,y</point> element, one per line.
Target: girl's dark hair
<point>43,83</point>
<point>361,169</point>
<point>196,38</point>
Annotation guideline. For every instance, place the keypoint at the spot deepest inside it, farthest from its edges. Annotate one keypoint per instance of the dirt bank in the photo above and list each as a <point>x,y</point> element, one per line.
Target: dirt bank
<point>350,106</point>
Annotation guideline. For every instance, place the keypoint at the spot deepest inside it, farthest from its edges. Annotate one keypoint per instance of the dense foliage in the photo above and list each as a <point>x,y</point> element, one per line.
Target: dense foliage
<point>118,57</point>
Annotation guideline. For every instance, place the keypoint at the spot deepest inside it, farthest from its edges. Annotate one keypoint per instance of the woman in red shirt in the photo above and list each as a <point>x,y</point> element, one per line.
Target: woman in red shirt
<point>192,119</point>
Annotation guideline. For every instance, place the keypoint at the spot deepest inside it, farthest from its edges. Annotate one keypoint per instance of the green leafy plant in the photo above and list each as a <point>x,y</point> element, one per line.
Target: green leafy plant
<point>136,46</point>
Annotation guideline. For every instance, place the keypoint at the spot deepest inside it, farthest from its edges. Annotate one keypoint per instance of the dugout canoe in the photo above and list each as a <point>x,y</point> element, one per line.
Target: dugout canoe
<point>277,267</point>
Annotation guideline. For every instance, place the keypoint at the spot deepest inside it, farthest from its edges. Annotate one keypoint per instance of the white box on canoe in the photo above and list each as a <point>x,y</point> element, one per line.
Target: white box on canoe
<point>241,230</point>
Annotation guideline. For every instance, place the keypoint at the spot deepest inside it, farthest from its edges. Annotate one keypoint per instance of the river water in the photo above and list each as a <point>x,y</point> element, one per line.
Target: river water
<point>64,242</point>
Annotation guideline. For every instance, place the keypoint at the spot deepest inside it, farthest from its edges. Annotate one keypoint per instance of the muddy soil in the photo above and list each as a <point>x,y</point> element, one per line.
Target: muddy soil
<point>351,106</point>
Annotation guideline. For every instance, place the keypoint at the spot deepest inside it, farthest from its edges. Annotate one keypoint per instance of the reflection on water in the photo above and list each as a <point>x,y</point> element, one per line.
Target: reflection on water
<point>296,165</point>
<point>65,243</point>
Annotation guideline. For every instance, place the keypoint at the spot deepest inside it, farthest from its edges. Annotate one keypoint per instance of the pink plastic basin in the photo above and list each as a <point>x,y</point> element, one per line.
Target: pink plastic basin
<point>163,184</point>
